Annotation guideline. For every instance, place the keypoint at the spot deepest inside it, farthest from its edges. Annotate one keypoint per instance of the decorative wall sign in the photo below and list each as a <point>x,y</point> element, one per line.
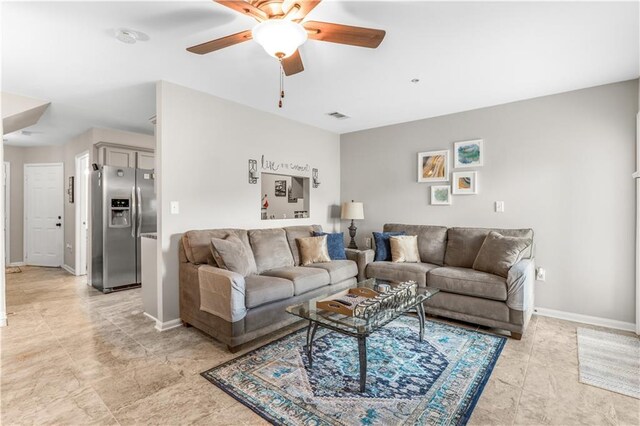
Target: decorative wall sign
<point>440,195</point>
<point>468,153</point>
<point>276,166</point>
<point>433,166</point>
<point>465,183</point>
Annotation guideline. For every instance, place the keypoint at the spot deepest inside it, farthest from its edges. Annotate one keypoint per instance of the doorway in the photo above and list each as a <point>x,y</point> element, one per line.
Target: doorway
<point>82,211</point>
<point>43,214</point>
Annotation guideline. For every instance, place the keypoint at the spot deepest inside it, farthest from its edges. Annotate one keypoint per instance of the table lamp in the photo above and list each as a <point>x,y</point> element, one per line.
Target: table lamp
<point>354,211</point>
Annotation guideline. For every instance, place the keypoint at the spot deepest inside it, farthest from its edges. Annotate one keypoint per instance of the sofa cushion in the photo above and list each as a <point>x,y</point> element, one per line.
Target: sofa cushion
<point>301,231</point>
<point>468,282</point>
<point>230,253</point>
<point>335,245</point>
<point>304,278</point>
<point>432,240</point>
<point>313,250</point>
<point>499,253</point>
<point>463,244</point>
<point>270,249</point>
<point>404,249</point>
<point>260,289</point>
<point>339,270</point>
<point>400,271</point>
<point>197,243</point>
<point>383,246</point>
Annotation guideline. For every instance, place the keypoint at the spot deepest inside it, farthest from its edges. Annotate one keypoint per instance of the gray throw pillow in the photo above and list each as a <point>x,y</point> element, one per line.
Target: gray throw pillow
<point>231,254</point>
<point>499,253</point>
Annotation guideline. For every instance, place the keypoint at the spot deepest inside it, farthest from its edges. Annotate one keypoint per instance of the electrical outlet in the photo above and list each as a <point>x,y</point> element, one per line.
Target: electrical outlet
<point>367,242</point>
<point>68,246</point>
<point>541,274</point>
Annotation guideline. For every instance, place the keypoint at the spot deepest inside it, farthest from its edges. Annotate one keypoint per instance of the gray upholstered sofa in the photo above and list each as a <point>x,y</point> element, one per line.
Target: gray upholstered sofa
<point>447,256</point>
<point>236,309</point>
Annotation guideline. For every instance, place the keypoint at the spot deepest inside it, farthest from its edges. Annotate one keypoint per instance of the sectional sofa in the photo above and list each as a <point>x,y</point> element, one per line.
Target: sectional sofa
<point>236,309</point>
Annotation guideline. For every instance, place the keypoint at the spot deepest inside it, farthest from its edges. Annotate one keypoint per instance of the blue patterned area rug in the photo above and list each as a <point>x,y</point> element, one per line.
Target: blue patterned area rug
<point>437,381</point>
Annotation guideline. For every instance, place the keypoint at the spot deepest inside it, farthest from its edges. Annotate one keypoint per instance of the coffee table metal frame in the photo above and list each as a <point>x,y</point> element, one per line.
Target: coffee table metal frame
<point>335,322</point>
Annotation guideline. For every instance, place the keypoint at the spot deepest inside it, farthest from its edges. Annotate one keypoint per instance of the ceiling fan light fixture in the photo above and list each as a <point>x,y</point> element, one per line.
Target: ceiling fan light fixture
<point>280,38</point>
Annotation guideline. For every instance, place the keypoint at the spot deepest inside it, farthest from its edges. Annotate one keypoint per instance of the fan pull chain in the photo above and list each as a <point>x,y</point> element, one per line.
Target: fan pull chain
<point>281,85</point>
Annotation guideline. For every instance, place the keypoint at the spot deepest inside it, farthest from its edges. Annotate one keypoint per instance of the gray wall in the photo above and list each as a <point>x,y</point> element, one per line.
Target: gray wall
<point>562,164</point>
<point>204,144</point>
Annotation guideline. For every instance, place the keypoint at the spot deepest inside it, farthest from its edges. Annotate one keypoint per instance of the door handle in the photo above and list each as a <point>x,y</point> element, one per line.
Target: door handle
<point>133,211</point>
<point>139,209</point>
<point>58,224</point>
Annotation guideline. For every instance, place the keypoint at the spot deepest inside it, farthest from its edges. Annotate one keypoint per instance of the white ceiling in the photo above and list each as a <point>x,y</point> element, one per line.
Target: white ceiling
<point>466,55</point>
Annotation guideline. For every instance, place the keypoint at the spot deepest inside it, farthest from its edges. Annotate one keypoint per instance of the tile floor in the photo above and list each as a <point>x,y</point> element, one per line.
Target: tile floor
<point>72,355</point>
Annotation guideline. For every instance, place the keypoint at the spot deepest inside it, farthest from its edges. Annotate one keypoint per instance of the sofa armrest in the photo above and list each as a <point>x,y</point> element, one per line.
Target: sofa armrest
<point>362,259</point>
<point>520,283</point>
<point>222,293</point>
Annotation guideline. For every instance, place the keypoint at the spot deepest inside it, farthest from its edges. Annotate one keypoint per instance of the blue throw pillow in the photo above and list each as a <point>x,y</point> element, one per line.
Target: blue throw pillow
<point>383,246</point>
<point>335,244</point>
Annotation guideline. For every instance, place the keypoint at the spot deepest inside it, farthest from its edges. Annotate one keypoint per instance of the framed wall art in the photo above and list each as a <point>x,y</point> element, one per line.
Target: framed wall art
<point>281,188</point>
<point>465,183</point>
<point>440,195</point>
<point>433,166</point>
<point>468,154</point>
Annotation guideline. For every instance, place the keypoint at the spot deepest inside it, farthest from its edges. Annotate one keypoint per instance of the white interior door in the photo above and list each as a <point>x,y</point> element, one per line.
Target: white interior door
<point>43,214</point>
<point>82,211</point>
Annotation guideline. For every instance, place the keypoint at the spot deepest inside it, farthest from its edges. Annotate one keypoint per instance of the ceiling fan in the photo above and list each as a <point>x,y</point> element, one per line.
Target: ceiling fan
<point>281,30</point>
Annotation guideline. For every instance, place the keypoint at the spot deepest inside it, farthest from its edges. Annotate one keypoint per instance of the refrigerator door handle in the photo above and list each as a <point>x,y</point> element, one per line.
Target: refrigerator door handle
<point>134,211</point>
<point>139,211</point>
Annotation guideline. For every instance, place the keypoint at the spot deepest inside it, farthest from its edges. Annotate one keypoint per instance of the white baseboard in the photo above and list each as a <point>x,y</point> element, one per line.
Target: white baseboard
<point>168,325</point>
<point>69,269</point>
<point>12,264</point>
<point>151,317</point>
<point>586,319</point>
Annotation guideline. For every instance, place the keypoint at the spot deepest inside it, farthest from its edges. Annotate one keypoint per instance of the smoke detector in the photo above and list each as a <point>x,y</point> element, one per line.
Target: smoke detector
<point>130,36</point>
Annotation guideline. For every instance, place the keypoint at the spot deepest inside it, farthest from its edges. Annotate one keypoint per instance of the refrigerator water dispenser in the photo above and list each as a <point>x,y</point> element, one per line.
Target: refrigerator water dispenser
<point>120,216</point>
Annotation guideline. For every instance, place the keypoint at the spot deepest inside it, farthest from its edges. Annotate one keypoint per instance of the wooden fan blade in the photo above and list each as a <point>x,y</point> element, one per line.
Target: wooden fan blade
<point>220,43</point>
<point>344,34</point>
<point>298,9</point>
<point>244,8</point>
<point>292,64</point>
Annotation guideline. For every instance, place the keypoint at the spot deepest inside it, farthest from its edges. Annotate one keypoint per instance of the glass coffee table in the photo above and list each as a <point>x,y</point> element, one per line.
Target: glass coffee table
<point>361,327</point>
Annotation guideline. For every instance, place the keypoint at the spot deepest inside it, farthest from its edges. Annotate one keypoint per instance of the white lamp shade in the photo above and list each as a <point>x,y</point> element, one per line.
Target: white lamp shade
<point>280,38</point>
<point>352,210</point>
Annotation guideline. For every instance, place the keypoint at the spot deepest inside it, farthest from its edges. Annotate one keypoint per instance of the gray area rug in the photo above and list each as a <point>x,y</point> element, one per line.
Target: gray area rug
<point>609,361</point>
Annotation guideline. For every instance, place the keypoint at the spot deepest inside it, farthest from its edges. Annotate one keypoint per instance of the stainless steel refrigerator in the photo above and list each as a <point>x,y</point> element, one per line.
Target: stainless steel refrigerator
<point>123,206</point>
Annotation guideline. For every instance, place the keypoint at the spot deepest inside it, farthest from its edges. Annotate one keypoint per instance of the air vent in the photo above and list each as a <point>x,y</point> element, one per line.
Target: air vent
<point>338,115</point>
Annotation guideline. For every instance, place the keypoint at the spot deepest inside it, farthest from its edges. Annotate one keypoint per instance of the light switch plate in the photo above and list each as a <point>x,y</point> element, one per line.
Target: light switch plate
<point>541,274</point>
<point>499,206</point>
<point>175,207</point>
<point>367,242</point>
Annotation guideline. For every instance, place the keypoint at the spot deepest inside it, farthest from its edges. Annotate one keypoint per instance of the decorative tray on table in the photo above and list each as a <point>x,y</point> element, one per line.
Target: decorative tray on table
<point>363,302</point>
